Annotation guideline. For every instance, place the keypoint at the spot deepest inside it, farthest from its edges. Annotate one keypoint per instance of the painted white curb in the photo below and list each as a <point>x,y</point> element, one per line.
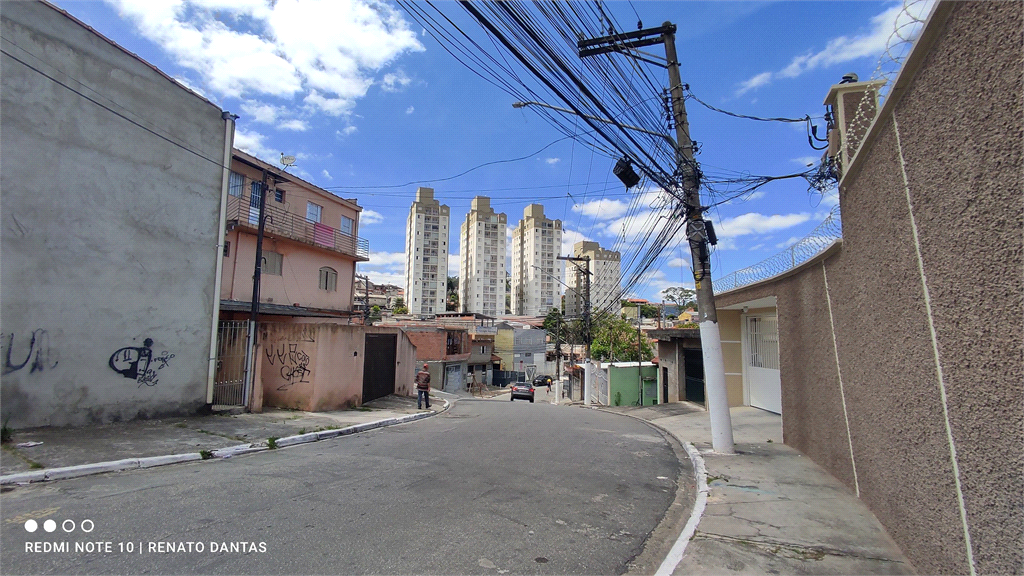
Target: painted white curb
<point>170,459</point>
<point>700,473</point>
<point>87,469</point>
<point>150,462</point>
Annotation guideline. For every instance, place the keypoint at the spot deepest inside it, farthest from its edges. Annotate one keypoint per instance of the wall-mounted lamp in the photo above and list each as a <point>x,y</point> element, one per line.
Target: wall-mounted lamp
<point>746,309</point>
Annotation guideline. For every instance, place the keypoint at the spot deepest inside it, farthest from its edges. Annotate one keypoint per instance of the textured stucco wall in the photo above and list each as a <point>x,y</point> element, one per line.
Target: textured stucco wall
<point>914,400</point>
<point>109,232</point>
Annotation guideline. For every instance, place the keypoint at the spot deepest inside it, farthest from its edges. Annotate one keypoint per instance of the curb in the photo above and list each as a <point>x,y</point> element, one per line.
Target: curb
<point>153,461</point>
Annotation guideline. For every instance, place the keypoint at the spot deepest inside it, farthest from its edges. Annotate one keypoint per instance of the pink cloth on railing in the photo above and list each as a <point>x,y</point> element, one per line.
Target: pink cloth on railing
<point>323,235</point>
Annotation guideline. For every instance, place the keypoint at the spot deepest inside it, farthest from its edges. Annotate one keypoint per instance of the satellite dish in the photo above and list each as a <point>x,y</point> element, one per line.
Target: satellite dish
<point>287,160</point>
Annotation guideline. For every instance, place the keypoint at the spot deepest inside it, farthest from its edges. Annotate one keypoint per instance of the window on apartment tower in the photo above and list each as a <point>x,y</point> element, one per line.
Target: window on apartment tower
<point>328,279</point>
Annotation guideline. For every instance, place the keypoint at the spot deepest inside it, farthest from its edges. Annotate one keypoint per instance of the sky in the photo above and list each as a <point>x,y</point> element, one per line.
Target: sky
<point>372,107</point>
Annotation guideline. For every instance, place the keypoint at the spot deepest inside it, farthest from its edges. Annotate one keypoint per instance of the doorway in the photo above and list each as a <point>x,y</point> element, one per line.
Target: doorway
<point>379,366</point>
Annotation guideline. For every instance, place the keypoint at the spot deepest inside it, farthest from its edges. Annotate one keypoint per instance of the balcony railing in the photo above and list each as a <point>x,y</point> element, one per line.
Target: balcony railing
<point>282,223</point>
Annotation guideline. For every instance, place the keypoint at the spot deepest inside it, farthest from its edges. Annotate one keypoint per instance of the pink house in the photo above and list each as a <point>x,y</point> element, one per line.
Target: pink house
<point>310,246</point>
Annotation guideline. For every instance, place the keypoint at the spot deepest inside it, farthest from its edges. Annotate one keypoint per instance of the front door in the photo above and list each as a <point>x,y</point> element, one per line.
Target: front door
<point>453,378</point>
<point>761,362</point>
<point>379,366</point>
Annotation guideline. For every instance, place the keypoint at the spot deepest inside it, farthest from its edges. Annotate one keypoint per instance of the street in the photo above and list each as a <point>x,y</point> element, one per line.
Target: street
<point>489,487</point>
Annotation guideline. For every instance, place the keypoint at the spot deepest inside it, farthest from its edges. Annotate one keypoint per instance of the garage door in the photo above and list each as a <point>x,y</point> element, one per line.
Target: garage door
<point>761,351</point>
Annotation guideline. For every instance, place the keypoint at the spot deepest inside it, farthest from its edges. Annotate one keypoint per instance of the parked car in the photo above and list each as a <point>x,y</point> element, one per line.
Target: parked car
<point>522,390</point>
<point>542,380</point>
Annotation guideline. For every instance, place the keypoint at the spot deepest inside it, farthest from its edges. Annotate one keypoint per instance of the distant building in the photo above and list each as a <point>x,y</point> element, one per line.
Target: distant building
<point>482,275</point>
<point>606,272</point>
<point>426,254</point>
<point>535,270</point>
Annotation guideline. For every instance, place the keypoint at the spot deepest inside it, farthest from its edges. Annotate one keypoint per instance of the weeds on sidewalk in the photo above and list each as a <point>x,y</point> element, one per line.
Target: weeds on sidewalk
<point>272,443</point>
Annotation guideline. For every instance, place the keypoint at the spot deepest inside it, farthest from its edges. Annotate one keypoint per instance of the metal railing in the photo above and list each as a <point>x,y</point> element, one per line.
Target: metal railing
<point>280,222</point>
<point>229,378</point>
<point>819,240</point>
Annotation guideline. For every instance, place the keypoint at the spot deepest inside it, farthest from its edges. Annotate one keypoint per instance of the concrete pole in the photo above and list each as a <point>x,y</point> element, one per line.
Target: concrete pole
<point>229,137</point>
<point>711,341</point>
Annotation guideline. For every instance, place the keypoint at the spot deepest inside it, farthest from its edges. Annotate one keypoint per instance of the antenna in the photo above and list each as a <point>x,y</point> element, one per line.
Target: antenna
<point>287,160</point>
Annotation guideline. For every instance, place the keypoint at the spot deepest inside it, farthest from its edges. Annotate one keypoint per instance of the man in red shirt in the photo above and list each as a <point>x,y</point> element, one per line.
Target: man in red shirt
<point>423,388</point>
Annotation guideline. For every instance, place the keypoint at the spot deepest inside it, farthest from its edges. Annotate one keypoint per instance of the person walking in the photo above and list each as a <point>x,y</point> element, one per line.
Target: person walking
<point>423,388</point>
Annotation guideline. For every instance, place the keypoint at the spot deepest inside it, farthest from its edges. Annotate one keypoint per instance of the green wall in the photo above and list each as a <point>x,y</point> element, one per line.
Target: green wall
<point>624,381</point>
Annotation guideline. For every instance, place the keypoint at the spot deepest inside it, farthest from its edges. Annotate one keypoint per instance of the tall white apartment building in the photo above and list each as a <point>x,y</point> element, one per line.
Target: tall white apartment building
<point>535,269</point>
<point>426,254</point>
<point>482,260</point>
<point>606,270</point>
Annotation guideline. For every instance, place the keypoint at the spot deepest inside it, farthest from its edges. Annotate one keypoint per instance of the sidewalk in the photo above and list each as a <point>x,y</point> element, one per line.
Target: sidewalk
<point>769,509</point>
<point>65,452</point>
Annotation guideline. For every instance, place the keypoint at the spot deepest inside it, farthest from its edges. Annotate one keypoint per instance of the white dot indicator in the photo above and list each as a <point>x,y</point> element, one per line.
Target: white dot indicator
<point>31,525</point>
<point>91,525</point>
<point>49,525</point>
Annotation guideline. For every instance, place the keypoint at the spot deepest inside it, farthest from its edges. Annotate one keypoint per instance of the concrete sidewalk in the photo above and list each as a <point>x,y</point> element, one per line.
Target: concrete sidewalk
<point>51,453</point>
<point>769,509</point>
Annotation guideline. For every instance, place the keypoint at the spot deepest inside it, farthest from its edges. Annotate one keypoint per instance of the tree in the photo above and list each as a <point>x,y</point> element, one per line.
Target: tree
<point>374,314</point>
<point>551,324</point>
<point>681,297</point>
<point>399,303</point>
<point>452,300</point>
<point>616,339</point>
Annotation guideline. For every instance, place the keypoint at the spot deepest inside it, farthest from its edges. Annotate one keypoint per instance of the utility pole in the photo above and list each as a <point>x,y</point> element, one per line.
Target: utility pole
<point>366,298</point>
<point>586,294</point>
<point>697,229</point>
<point>254,311</point>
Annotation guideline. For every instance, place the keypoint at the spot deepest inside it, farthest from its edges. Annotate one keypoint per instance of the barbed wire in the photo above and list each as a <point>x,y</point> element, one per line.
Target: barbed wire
<point>820,239</point>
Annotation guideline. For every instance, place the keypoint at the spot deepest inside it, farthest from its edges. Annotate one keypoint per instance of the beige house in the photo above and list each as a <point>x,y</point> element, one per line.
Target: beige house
<point>310,246</point>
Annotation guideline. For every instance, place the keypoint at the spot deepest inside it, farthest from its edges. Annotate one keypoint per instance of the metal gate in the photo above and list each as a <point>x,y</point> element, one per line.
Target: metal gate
<point>453,378</point>
<point>379,366</point>
<point>761,363</point>
<point>229,380</point>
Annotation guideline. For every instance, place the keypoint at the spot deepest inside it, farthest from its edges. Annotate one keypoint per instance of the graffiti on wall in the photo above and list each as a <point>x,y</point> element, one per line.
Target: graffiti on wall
<point>293,361</point>
<point>32,352</point>
<point>138,363</point>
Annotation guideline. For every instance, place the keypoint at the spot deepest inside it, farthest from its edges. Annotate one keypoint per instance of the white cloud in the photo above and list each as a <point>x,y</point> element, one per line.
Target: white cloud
<point>327,175</point>
<point>395,81</point>
<point>393,260</point>
<point>284,49</point>
<point>755,82</point>
<point>377,277</point>
<point>754,223</point>
<point>806,161</point>
<point>347,131</point>
<point>552,161</point>
<point>374,217</point>
<point>678,262</point>
<point>603,209</point>
<point>792,240</point>
<point>841,49</point>
<point>410,109</point>
<point>253,143</point>
<point>453,264</point>
<point>294,124</point>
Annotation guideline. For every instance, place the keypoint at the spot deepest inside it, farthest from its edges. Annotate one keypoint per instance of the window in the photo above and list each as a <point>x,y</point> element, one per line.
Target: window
<point>348,226</point>
<point>313,212</point>
<point>278,195</point>
<point>272,262</point>
<point>227,249</point>
<point>254,194</point>
<point>328,279</point>
<point>236,182</point>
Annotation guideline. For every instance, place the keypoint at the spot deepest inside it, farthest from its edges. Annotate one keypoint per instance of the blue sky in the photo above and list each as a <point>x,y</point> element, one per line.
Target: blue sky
<point>366,101</point>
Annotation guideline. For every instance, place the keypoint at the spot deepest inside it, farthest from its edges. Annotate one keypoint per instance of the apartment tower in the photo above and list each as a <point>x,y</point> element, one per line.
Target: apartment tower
<point>535,271</point>
<point>606,270</point>
<point>482,260</point>
<point>426,254</point>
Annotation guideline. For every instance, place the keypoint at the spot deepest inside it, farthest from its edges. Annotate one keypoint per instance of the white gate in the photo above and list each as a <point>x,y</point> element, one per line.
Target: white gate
<point>453,378</point>
<point>761,362</point>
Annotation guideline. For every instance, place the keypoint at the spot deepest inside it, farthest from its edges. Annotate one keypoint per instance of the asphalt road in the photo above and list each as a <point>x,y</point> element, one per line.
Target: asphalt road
<point>489,487</point>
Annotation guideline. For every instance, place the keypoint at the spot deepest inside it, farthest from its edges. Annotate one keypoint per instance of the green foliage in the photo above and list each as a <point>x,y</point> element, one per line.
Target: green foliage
<point>205,454</point>
<point>616,339</point>
<point>6,434</point>
<point>400,310</point>
<point>552,320</point>
<point>399,303</point>
<point>618,398</point>
<point>272,442</point>
<point>682,297</point>
<point>452,294</point>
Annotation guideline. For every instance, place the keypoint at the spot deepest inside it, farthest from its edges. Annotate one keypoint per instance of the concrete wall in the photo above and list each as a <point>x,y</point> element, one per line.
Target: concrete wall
<point>109,233</point>
<point>319,367</point>
<point>924,343</point>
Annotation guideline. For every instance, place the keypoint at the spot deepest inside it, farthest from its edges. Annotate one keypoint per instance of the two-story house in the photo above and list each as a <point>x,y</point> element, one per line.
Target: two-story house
<point>310,246</point>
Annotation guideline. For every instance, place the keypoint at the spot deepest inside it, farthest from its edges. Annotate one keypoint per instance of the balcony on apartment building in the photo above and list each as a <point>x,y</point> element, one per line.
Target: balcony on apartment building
<point>285,224</point>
